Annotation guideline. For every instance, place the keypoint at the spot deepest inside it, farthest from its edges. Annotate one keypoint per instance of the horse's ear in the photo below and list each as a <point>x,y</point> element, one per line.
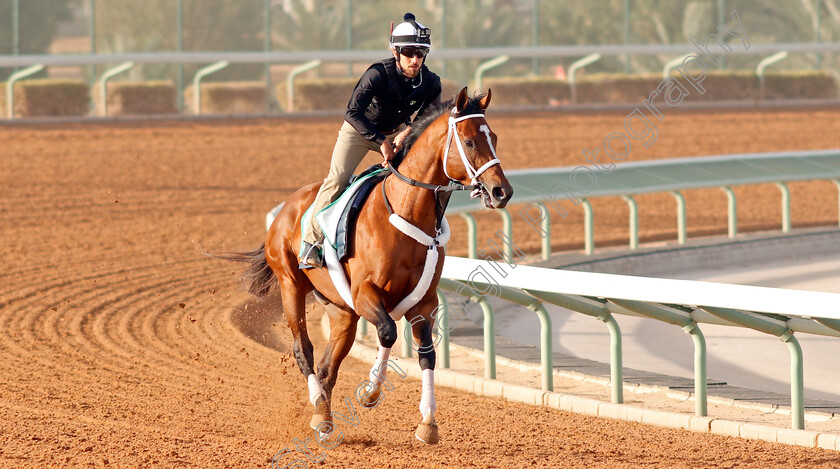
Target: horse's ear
<point>485,101</point>
<point>461,100</point>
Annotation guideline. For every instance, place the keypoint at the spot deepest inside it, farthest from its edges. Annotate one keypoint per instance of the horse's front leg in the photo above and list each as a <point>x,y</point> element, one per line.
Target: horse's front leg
<point>422,325</point>
<point>369,305</point>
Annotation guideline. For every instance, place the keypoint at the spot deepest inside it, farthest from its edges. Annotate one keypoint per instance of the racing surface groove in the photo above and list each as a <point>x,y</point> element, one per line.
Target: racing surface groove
<point>121,345</point>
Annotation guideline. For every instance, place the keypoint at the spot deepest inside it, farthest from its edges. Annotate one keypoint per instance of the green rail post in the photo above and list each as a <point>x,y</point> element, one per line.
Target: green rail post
<point>666,70</point>
<point>797,380</point>
<point>10,87</point>
<point>634,221</point>
<point>267,48</point>
<point>443,328</point>
<point>837,184</point>
<point>588,228</point>
<point>700,399</point>
<point>545,224</point>
<point>472,235</point>
<point>681,217</point>
<point>785,206</point>
<point>489,323</point>
<point>732,211</point>
<point>507,229</point>
<point>290,81</point>
<point>546,350</point>
<point>408,339</point>
<point>103,83</point>
<point>577,65</point>
<point>489,336</point>
<point>361,332</point>
<point>763,64</point>
<point>689,326</point>
<point>492,63</point>
<point>197,82</point>
<point>616,375</point>
<point>773,327</point>
<point>597,309</point>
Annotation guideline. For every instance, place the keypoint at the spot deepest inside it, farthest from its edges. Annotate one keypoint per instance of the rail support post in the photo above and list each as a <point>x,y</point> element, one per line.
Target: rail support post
<point>766,62</point>
<point>681,217</point>
<point>577,65</point>
<point>213,68</point>
<point>545,226</point>
<point>10,87</point>
<point>634,221</point>
<point>507,229</point>
<point>103,83</point>
<point>732,211</point>
<point>442,320</point>
<point>472,235</point>
<point>290,81</point>
<point>785,206</point>
<point>492,63</point>
<point>588,228</point>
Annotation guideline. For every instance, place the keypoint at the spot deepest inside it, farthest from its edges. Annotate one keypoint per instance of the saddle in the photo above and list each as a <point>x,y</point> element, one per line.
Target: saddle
<point>338,220</point>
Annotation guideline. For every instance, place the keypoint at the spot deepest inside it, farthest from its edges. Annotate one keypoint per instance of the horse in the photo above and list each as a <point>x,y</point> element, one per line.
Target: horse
<point>388,260</point>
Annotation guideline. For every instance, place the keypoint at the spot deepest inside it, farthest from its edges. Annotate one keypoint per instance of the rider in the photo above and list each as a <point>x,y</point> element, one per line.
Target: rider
<point>377,118</point>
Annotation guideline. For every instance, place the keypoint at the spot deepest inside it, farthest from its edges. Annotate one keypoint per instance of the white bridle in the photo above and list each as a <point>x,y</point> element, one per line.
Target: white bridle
<point>453,130</point>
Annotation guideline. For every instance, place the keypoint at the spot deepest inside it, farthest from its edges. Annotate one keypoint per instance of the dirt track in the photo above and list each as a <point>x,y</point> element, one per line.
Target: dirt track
<point>118,342</point>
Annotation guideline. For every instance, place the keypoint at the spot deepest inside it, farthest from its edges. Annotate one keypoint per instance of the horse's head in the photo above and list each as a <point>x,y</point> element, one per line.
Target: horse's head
<point>475,162</point>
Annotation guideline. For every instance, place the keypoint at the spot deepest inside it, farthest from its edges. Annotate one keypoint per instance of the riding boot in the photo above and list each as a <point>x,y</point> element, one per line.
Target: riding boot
<point>311,256</point>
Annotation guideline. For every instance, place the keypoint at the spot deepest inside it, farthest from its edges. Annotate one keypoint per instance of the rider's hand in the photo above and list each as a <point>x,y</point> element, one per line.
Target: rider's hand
<point>387,150</point>
<point>400,138</point>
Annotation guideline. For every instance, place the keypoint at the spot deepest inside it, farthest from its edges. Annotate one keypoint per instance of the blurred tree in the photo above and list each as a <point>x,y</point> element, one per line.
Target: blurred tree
<point>208,25</point>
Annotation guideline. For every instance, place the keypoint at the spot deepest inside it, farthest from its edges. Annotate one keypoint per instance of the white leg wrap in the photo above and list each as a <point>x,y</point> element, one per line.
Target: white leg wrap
<point>377,373</point>
<point>315,389</point>
<point>427,401</point>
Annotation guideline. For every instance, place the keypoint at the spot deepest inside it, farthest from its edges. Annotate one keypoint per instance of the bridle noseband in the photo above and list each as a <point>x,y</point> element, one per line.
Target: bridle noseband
<point>443,193</point>
<point>473,173</point>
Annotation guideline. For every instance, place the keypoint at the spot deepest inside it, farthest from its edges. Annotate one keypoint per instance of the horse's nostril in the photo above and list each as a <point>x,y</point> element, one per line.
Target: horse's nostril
<point>499,193</point>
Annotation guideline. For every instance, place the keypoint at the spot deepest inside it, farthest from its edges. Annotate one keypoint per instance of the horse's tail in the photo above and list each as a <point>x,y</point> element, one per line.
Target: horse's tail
<point>259,274</point>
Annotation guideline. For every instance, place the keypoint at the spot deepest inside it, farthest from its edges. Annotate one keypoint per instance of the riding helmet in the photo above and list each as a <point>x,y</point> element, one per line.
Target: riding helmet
<point>410,34</point>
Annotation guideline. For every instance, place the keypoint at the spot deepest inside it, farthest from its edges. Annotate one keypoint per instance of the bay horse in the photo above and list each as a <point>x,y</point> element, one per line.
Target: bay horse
<point>386,264</point>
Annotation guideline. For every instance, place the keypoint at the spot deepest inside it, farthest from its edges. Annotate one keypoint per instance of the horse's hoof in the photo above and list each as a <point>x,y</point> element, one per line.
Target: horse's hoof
<point>372,400</point>
<point>427,433</point>
<point>318,419</point>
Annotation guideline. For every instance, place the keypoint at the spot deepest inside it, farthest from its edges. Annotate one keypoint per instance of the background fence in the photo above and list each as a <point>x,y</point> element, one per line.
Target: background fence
<point>126,26</point>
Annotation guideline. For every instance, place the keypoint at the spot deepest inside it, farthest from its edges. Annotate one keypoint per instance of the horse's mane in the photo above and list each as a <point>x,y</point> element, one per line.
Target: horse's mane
<point>420,125</point>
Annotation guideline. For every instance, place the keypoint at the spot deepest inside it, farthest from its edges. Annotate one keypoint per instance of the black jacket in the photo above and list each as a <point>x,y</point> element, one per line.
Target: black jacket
<point>383,99</point>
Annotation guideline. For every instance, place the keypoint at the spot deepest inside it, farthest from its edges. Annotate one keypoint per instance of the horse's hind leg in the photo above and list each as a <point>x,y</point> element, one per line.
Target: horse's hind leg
<point>295,307</point>
<point>342,335</point>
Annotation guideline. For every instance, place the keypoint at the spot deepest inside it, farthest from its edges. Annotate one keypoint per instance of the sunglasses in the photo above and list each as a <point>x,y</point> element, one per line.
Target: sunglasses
<point>412,52</point>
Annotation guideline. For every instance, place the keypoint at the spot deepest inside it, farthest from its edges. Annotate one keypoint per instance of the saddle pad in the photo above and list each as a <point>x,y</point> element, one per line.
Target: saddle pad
<point>338,219</point>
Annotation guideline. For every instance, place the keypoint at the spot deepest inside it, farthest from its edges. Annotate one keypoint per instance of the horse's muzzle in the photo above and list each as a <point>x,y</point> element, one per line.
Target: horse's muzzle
<point>500,195</point>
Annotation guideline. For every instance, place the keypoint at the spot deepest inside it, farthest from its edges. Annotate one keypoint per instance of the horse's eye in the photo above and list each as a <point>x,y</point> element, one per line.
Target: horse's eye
<point>469,143</point>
